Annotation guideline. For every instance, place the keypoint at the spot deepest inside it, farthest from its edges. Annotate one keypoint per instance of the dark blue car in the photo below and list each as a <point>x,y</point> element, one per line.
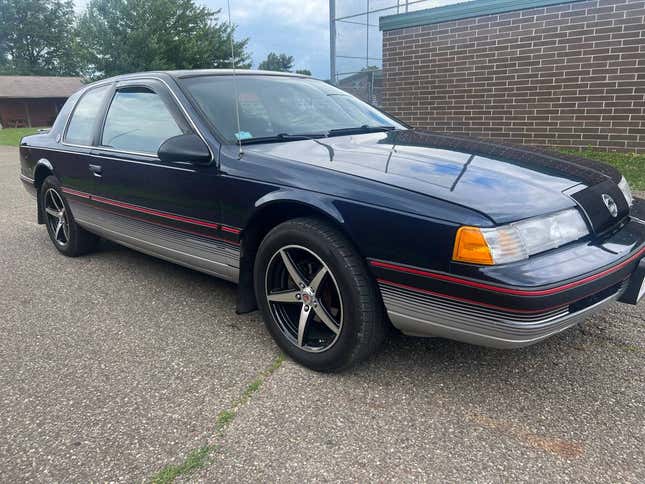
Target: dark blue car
<point>334,218</point>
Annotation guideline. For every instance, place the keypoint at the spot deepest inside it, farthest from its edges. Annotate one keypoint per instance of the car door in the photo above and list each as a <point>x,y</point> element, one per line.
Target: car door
<point>170,210</point>
<point>72,156</point>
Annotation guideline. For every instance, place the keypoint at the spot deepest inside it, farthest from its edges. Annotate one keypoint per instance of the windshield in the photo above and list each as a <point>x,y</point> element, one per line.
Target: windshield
<point>279,107</point>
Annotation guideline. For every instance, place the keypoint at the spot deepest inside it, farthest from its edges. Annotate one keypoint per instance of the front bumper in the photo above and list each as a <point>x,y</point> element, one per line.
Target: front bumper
<point>417,314</point>
<point>490,313</point>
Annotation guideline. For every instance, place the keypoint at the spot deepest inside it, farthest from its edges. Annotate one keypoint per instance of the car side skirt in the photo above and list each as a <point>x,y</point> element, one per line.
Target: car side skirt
<point>29,184</point>
<point>194,250</point>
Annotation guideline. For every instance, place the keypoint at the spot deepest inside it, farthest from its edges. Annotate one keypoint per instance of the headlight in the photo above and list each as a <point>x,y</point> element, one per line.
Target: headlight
<point>624,187</point>
<point>519,240</point>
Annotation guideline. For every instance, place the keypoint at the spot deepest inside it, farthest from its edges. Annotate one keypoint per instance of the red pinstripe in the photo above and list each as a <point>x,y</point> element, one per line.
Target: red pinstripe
<point>505,290</point>
<point>76,193</point>
<point>486,305</point>
<point>159,224</point>
<point>149,211</point>
<point>156,213</point>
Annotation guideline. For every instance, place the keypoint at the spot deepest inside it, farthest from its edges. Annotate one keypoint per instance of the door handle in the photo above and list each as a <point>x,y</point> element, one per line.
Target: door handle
<point>97,170</point>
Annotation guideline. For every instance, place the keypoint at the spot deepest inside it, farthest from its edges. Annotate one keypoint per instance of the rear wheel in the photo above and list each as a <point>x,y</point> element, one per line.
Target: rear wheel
<point>318,301</point>
<point>66,235</point>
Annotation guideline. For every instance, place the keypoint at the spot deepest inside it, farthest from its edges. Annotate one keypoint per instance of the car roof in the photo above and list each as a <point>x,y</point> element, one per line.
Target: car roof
<point>229,72</point>
<point>178,74</point>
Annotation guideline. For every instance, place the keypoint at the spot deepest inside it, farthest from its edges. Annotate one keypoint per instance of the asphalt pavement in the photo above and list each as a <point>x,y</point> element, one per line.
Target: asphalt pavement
<point>120,367</point>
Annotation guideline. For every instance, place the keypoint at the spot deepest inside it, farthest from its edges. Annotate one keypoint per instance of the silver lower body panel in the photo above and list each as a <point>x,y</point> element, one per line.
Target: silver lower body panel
<point>418,314</point>
<point>203,254</point>
<point>29,185</point>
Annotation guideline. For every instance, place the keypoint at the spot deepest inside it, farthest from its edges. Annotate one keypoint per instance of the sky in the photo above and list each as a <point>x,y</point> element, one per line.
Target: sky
<point>300,28</point>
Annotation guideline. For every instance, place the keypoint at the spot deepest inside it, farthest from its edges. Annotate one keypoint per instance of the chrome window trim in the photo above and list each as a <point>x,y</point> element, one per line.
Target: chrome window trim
<point>149,155</point>
<point>73,110</point>
<point>170,167</point>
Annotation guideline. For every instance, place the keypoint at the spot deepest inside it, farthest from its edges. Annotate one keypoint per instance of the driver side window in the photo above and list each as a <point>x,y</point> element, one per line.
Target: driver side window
<point>138,121</point>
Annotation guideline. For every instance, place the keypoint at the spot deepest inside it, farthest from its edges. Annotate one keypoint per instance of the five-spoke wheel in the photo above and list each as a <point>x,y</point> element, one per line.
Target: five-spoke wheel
<point>68,237</point>
<point>318,300</point>
<point>56,216</point>
<point>304,297</point>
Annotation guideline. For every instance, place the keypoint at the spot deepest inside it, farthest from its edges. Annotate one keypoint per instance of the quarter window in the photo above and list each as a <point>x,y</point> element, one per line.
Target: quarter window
<point>81,126</point>
<point>138,121</point>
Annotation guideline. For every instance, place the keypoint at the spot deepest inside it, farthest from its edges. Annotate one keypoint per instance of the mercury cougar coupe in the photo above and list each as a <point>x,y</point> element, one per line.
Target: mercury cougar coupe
<point>334,218</point>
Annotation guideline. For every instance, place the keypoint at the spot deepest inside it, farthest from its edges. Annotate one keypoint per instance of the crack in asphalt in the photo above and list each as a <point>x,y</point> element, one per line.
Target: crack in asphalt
<point>200,457</point>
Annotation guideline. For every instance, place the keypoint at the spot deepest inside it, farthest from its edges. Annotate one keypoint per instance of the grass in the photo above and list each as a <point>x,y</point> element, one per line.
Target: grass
<point>196,459</point>
<point>199,458</point>
<point>11,136</point>
<point>631,165</point>
<point>224,418</point>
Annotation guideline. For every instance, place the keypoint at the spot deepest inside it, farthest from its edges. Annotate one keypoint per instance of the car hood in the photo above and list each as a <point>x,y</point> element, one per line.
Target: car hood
<point>506,183</point>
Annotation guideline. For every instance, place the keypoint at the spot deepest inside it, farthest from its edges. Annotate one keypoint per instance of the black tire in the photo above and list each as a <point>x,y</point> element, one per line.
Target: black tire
<point>70,239</point>
<point>362,325</point>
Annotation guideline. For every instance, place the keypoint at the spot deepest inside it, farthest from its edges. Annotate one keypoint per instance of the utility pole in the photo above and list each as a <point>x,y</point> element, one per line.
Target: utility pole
<point>332,41</point>
<point>367,35</point>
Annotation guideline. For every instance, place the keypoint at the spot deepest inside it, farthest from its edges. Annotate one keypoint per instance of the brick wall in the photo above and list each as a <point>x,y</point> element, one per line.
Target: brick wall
<point>569,75</point>
<point>367,86</point>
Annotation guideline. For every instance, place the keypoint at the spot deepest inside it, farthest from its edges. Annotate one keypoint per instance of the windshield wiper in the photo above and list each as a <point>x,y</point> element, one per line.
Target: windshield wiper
<point>359,129</point>
<point>313,136</point>
<point>282,137</point>
<point>301,135</point>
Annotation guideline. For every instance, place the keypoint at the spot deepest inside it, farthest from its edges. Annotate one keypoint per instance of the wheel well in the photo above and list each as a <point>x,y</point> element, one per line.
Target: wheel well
<point>258,227</point>
<point>42,172</point>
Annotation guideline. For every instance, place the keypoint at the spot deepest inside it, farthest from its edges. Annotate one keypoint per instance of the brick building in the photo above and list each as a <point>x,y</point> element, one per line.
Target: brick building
<point>542,72</point>
<point>27,101</point>
<point>367,85</point>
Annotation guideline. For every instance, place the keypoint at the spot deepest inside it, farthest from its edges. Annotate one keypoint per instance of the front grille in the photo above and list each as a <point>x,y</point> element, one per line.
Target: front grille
<point>591,201</point>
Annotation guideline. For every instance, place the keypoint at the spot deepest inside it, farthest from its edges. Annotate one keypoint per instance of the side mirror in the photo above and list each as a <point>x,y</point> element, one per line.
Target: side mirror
<point>186,148</point>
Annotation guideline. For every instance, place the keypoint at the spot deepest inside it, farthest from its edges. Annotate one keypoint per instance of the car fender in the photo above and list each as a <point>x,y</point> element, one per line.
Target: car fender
<point>251,238</point>
<point>318,202</point>
<point>41,164</point>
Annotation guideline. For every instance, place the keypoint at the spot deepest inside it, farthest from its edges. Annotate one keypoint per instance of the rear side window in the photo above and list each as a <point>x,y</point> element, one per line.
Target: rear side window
<point>84,117</point>
<point>138,121</point>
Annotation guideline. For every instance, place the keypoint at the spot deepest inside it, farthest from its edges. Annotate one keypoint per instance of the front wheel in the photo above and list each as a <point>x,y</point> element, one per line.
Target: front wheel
<point>317,298</point>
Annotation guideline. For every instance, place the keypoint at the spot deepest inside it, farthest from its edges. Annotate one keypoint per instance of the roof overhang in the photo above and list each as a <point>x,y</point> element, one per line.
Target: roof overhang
<point>38,87</point>
<point>460,11</point>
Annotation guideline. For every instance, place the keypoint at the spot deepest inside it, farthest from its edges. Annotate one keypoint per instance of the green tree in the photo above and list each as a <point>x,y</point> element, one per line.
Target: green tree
<point>37,37</point>
<point>277,62</point>
<point>120,36</point>
<point>304,72</point>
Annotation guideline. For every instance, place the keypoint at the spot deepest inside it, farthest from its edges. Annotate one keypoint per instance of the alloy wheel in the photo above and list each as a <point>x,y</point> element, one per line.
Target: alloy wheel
<point>304,298</point>
<point>57,217</point>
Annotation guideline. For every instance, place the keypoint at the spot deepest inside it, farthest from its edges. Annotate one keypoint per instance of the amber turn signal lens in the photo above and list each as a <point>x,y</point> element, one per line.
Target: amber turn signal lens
<point>471,246</point>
